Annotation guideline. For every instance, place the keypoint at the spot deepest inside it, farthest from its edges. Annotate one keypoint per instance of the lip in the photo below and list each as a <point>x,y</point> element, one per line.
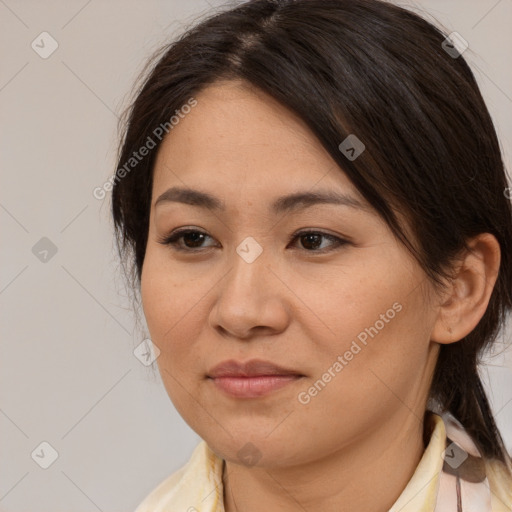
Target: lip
<point>251,379</point>
<point>251,368</point>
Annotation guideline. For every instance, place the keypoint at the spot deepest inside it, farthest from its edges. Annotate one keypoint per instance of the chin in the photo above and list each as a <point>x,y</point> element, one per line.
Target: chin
<point>253,448</point>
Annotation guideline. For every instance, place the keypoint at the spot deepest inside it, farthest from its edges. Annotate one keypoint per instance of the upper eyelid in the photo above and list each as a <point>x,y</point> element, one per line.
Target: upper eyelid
<point>178,233</point>
<point>302,231</point>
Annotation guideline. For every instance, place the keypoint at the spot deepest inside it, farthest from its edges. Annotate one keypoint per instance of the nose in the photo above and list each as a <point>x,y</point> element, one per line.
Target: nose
<point>250,300</point>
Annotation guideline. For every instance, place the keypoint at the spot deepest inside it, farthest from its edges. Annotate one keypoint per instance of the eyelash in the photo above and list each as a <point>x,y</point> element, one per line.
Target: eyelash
<point>172,240</point>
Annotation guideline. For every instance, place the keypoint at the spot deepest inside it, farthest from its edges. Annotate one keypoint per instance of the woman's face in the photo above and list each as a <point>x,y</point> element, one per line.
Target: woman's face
<point>347,315</point>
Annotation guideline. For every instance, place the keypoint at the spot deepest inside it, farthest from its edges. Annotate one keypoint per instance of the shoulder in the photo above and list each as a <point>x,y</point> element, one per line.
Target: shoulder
<point>500,484</point>
<point>481,479</point>
<point>195,486</point>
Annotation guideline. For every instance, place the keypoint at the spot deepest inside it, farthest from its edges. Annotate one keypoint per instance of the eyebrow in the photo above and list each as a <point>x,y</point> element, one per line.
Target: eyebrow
<point>288,203</point>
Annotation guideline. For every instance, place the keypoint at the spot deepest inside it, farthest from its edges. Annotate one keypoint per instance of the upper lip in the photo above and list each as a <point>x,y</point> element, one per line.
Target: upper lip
<point>251,368</point>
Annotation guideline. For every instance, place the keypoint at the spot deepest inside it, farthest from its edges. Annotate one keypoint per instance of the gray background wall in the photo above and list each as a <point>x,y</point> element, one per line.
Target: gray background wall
<point>68,373</point>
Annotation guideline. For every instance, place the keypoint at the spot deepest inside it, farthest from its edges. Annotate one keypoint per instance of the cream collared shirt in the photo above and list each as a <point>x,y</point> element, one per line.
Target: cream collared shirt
<point>198,487</point>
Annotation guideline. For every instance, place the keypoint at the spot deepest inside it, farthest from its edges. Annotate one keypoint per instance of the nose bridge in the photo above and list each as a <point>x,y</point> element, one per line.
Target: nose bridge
<point>249,250</point>
<point>246,298</point>
<point>249,266</point>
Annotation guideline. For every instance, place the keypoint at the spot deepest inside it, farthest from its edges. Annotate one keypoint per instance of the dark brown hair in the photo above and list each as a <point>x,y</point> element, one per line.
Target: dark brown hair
<point>369,68</point>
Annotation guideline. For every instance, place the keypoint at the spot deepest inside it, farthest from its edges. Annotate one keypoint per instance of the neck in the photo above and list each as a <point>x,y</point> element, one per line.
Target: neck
<point>382,461</point>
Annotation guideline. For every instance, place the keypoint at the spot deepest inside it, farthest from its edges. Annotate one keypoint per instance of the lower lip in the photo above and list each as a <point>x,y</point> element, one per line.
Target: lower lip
<point>253,387</point>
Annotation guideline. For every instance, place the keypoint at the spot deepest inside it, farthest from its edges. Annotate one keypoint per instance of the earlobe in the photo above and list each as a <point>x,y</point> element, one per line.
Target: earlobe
<point>467,295</point>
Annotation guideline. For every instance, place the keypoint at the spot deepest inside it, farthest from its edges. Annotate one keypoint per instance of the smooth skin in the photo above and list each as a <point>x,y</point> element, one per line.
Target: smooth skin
<point>299,304</point>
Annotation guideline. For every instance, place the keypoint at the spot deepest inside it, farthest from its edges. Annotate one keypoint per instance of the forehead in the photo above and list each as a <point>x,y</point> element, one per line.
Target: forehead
<point>237,137</point>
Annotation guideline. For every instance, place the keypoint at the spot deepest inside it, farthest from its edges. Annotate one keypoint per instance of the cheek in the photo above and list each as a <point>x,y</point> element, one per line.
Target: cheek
<point>352,300</point>
<point>374,369</point>
<point>171,307</point>
<point>164,295</point>
<point>375,337</point>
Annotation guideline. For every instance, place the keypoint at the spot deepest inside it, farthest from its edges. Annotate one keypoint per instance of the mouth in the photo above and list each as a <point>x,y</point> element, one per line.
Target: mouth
<point>253,387</point>
<point>252,379</point>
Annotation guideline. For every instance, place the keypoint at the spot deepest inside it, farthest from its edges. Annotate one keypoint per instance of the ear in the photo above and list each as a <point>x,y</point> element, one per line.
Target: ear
<point>465,299</point>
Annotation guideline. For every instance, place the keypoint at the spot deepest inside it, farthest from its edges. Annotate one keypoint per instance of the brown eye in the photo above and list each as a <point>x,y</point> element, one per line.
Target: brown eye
<point>311,241</point>
<point>192,239</point>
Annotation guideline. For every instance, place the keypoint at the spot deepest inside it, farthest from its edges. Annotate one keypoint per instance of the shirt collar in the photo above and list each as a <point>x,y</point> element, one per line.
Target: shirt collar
<point>420,494</point>
<point>198,487</point>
